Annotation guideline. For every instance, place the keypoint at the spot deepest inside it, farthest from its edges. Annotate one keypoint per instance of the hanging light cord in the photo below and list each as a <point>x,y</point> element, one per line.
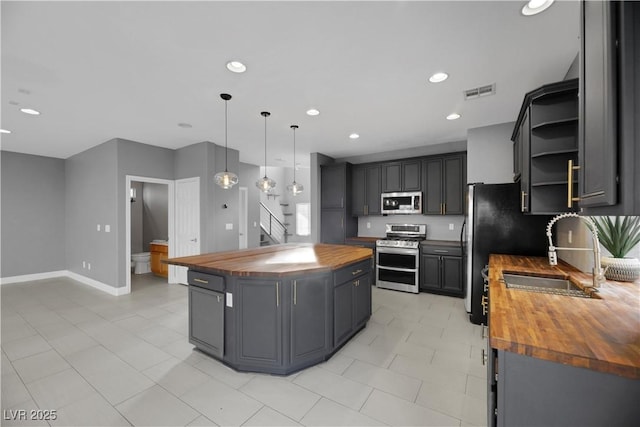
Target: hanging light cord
<point>225,136</point>
<point>294,153</point>
<point>265,145</point>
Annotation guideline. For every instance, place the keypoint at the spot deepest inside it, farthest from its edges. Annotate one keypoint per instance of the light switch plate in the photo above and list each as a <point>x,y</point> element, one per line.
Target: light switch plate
<point>450,226</point>
<point>228,226</point>
<point>98,227</point>
<point>107,228</point>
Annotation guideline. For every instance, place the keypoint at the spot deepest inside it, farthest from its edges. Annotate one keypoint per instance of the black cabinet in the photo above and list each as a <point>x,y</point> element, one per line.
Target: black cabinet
<point>546,138</point>
<point>609,108</point>
<point>401,176</point>
<point>336,221</point>
<point>365,180</point>
<point>441,269</point>
<point>352,300</point>
<point>444,182</point>
<point>310,324</point>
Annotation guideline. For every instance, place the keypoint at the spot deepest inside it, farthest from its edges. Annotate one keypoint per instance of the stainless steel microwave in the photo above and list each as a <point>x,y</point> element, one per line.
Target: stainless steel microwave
<point>401,203</point>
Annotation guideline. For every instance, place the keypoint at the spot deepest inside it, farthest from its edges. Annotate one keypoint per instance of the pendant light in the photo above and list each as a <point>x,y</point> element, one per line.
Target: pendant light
<point>225,179</point>
<point>265,184</point>
<point>294,188</point>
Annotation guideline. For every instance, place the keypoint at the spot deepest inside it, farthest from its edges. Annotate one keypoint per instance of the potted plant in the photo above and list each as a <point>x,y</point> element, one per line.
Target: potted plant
<point>619,235</point>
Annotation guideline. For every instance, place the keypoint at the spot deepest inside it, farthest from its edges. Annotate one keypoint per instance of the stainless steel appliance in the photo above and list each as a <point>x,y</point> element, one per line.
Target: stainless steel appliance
<point>398,257</point>
<point>401,203</point>
<point>495,224</point>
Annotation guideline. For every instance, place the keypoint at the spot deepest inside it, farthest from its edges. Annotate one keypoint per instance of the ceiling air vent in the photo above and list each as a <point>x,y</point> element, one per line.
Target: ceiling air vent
<point>480,91</point>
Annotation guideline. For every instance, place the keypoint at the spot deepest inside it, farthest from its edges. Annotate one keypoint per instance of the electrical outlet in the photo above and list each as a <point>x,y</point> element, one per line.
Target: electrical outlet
<point>228,226</point>
<point>570,236</point>
<point>84,264</point>
<point>88,266</point>
<point>368,225</point>
<point>107,228</point>
<point>450,226</point>
<point>255,224</point>
<point>98,227</point>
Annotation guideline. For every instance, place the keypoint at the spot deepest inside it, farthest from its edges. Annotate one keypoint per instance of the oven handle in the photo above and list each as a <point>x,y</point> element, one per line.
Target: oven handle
<point>384,267</point>
<point>400,251</point>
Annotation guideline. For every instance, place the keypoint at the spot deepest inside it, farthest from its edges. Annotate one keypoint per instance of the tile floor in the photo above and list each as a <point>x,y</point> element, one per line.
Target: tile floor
<point>99,360</point>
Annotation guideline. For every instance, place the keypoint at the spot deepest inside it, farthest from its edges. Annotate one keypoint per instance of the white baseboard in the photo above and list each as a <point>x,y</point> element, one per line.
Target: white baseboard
<point>65,273</point>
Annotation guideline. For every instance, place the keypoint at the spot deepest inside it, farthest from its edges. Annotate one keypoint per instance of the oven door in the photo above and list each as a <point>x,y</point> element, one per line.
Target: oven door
<point>397,269</point>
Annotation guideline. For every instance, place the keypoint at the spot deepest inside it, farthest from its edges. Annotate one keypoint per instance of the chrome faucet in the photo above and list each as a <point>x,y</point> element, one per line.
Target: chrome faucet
<point>597,272</point>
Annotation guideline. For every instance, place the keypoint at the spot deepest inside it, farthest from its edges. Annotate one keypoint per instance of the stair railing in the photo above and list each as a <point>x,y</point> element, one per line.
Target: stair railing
<point>274,228</point>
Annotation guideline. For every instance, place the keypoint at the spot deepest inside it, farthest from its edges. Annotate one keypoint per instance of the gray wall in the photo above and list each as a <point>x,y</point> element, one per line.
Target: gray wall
<point>302,177</point>
<point>490,154</point>
<point>155,217</point>
<point>574,69</point>
<point>33,211</point>
<point>247,176</point>
<point>137,220</point>
<point>91,199</point>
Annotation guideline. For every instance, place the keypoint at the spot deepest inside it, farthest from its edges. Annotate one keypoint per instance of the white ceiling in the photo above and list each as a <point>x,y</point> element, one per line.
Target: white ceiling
<point>135,70</point>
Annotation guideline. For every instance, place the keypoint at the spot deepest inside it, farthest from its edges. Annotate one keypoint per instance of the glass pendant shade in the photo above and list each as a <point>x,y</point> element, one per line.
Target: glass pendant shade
<point>294,188</point>
<point>265,184</point>
<point>225,179</point>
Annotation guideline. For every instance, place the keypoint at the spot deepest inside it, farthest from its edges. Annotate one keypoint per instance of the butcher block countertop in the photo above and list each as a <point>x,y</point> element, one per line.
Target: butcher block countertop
<point>276,260</point>
<point>601,334</point>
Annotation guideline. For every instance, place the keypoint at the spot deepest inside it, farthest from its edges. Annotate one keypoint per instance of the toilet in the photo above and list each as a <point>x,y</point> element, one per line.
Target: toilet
<point>141,262</point>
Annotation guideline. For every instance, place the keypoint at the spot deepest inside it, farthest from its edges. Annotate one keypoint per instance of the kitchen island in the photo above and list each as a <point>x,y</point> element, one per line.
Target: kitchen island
<point>277,309</point>
<point>558,359</point>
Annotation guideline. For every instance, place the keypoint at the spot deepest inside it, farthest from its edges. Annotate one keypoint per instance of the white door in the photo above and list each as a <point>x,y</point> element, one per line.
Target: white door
<point>244,218</point>
<point>187,222</point>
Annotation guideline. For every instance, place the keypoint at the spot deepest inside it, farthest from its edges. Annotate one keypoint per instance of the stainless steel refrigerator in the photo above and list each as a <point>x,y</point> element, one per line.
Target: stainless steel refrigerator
<point>495,224</point>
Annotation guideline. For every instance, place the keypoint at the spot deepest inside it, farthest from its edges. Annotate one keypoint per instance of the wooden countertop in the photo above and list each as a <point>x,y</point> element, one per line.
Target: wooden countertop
<point>276,260</point>
<point>602,334</point>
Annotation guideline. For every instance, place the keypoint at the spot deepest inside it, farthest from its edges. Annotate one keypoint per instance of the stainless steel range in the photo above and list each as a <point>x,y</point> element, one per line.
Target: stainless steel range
<point>398,257</point>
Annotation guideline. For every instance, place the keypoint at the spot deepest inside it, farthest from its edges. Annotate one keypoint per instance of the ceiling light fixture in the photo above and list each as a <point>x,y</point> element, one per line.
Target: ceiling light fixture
<point>354,136</point>
<point>453,116</point>
<point>438,77</point>
<point>533,7</point>
<point>5,131</point>
<point>30,111</point>
<point>265,184</point>
<point>312,112</point>
<point>294,188</point>
<point>225,179</point>
<point>236,67</point>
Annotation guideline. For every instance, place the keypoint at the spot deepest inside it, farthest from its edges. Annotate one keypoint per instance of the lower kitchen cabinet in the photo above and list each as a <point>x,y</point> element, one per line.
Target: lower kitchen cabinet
<point>352,301</point>
<point>206,326</point>
<point>441,270</point>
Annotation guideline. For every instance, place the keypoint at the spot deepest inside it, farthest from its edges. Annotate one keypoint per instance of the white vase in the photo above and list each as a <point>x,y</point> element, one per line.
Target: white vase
<point>621,269</point>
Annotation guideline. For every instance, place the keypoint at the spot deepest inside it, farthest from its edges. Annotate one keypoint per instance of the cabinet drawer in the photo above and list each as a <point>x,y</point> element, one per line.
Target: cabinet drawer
<point>441,250</point>
<point>348,273</point>
<point>206,281</point>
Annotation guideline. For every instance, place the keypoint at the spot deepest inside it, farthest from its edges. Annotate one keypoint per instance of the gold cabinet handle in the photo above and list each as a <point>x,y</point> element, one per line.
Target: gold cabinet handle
<point>353,273</point>
<point>201,281</point>
<point>570,198</point>
<point>444,209</point>
<point>523,196</point>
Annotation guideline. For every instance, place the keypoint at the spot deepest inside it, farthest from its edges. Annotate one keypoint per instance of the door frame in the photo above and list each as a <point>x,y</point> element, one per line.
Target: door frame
<point>171,219</point>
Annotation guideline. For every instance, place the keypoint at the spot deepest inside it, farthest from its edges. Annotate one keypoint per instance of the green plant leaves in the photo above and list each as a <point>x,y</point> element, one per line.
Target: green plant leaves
<point>618,235</point>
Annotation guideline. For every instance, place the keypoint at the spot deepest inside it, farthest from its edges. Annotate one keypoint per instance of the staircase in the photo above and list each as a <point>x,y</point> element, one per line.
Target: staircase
<point>273,231</point>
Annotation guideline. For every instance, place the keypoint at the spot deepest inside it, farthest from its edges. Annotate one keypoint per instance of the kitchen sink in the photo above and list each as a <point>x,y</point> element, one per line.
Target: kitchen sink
<point>543,284</point>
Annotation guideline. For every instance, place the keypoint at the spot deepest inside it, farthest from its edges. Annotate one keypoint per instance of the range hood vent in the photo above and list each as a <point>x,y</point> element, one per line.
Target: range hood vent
<point>480,91</point>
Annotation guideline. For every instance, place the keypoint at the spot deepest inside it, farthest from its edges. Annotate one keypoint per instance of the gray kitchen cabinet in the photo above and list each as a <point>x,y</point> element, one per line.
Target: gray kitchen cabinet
<point>310,321</point>
<point>336,220</point>
<point>365,180</point>
<point>352,300</point>
<point>441,269</point>
<point>259,329</point>
<point>206,325</point>
<point>609,107</point>
<point>401,176</point>
<point>444,180</point>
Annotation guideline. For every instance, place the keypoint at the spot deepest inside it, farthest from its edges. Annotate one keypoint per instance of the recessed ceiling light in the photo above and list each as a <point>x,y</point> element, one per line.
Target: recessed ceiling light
<point>534,7</point>
<point>438,77</point>
<point>354,136</point>
<point>236,67</point>
<point>30,111</point>
<point>453,116</point>
<point>5,131</point>
<point>185,125</point>
<point>312,112</point>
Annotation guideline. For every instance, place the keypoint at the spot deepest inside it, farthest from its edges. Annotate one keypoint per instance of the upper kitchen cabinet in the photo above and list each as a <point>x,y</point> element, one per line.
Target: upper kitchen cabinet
<point>336,221</point>
<point>401,176</point>
<point>444,180</point>
<point>609,107</point>
<point>365,182</point>
<point>546,140</point>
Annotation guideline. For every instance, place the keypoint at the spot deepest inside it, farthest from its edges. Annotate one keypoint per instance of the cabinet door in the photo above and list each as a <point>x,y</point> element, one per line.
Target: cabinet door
<point>155,264</point>
<point>361,300</point>
<point>429,272</point>
<point>391,177</point>
<point>452,274</point>
<point>525,190</point>
<point>411,176</point>
<point>206,320</point>
<point>433,186</point>
<point>373,201</point>
<point>333,182</point>
<point>310,325</point>
<point>332,226</point>
<point>453,186</point>
<point>342,312</point>
<point>359,191</point>
<point>259,320</point>
<point>598,144</point>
